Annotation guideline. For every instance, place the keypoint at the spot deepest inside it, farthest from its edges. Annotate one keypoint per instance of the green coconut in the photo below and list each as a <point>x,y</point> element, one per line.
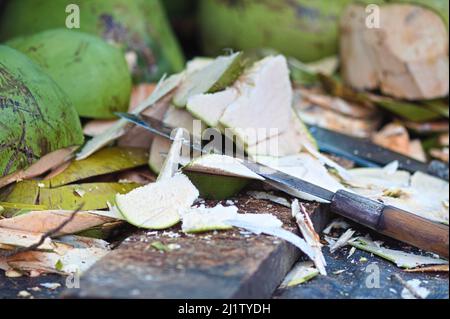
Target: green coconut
<point>94,74</point>
<point>139,27</point>
<point>304,29</point>
<point>36,116</point>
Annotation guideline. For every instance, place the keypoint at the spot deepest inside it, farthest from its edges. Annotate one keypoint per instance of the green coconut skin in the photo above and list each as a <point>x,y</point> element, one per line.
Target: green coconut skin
<point>36,116</point>
<point>138,26</point>
<point>304,29</point>
<point>216,187</point>
<point>94,74</point>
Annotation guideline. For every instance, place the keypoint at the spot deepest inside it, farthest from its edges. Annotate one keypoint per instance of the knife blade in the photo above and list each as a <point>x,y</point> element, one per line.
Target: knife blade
<point>388,220</point>
<point>367,154</point>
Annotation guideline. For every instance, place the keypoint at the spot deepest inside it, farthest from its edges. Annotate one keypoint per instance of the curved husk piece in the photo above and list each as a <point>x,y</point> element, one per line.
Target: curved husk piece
<point>36,116</point>
<point>92,195</point>
<point>107,160</point>
<point>93,73</point>
<point>139,27</point>
<point>214,77</point>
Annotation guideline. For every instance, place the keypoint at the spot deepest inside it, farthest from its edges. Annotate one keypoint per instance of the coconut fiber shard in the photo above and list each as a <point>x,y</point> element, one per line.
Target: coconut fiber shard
<point>36,116</point>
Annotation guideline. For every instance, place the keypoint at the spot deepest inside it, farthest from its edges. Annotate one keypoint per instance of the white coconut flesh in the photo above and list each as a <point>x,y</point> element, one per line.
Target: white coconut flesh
<point>420,194</point>
<point>263,107</point>
<point>201,219</point>
<point>210,107</point>
<point>177,118</point>
<point>305,167</point>
<point>290,142</point>
<point>202,79</point>
<point>158,205</point>
<point>221,165</point>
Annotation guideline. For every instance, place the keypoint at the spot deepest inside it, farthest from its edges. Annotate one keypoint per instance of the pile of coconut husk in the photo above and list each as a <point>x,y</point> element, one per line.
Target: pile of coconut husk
<point>124,175</point>
<point>73,176</point>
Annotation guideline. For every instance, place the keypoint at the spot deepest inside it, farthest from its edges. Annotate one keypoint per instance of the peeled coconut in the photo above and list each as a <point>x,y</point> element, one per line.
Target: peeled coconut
<point>36,116</point>
<point>94,74</point>
<point>265,90</point>
<point>405,57</point>
<point>264,106</point>
<point>139,27</point>
<point>219,176</point>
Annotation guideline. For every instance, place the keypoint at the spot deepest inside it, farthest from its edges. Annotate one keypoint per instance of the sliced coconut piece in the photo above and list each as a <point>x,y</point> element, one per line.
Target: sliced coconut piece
<point>263,108</point>
<point>290,142</point>
<point>305,167</point>
<point>210,107</point>
<point>221,165</point>
<point>219,176</point>
<point>377,178</point>
<point>202,219</point>
<point>177,118</point>
<point>157,205</point>
<point>214,77</point>
<point>301,273</point>
<point>170,166</point>
<point>197,64</point>
<point>309,234</point>
<point>400,258</point>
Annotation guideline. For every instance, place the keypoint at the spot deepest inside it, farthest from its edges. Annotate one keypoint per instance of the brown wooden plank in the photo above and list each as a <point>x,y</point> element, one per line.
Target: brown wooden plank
<point>228,264</point>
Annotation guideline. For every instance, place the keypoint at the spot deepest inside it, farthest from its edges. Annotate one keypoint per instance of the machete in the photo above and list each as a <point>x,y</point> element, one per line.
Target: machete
<point>387,220</point>
<point>367,154</point>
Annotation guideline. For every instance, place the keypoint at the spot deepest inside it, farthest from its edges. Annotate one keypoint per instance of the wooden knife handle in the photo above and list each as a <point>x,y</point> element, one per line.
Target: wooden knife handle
<point>414,230</point>
<point>393,222</point>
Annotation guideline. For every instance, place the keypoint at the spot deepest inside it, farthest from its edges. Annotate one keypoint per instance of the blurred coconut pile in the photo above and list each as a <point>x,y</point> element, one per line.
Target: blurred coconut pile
<point>71,173</point>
